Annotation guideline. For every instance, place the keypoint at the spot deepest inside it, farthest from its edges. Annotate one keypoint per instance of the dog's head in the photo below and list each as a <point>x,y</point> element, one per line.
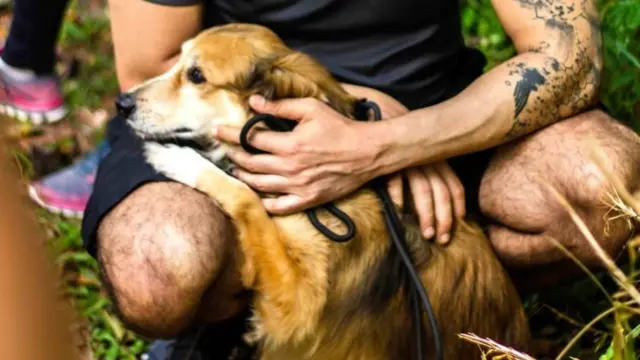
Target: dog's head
<point>217,72</point>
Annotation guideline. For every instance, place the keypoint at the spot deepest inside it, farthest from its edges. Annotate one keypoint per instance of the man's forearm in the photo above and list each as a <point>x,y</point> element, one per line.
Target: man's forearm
<point>530,91</point>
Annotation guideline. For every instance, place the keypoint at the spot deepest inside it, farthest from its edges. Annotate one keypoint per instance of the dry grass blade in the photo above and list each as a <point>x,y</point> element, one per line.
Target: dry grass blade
<point>596,155</point>
<point>570,320</point>
<point>617,274</point>
<point>618,205</point>
<point>588,326</point>
<point>581,266</point>
<point>635,242</point>
<point>624,203</point>
<point>494,348</point>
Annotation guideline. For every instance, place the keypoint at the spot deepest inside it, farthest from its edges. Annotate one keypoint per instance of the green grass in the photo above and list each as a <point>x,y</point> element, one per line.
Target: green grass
<point>556,316</point>
<point>109,338</point>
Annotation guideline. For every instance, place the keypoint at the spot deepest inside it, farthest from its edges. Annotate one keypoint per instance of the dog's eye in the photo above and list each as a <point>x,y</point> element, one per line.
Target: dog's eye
<point>195,75</point>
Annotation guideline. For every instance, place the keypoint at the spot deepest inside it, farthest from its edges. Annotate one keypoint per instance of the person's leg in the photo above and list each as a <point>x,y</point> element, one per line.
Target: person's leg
<point>165,249</point>
<point>31,89</point>
<point>33,35</point>
<point>165,252</point>
<point>526,213</point>
<point>161,249</point>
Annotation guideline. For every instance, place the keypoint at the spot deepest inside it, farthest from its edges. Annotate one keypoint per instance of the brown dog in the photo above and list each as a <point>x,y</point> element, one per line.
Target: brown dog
<point>314,298</point>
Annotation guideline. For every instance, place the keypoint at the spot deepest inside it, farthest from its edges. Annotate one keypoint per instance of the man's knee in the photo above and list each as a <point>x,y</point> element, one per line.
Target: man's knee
<point>513,190</point>
<point>160,249</point>
<point>524,229</point>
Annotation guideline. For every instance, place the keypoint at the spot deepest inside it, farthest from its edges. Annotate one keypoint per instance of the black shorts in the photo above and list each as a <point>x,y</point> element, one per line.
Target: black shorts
<point>124,169</point>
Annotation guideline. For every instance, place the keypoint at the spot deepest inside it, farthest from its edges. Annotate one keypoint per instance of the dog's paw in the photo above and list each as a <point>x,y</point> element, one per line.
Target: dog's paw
<point>181,164</point>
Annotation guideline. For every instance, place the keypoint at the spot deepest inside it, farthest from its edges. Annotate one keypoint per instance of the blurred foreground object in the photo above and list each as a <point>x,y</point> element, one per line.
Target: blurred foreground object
<point>34,319</point>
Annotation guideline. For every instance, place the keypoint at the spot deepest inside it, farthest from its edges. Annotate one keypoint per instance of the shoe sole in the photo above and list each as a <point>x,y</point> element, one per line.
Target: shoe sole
<point>37,118</point>
<point>33,194</point>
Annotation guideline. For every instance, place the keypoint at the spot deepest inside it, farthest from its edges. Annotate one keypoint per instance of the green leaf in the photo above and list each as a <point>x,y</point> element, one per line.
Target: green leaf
<point>95,307</point>
<point>629,56</point>
<point>468,18</point>
<point>608,355</point>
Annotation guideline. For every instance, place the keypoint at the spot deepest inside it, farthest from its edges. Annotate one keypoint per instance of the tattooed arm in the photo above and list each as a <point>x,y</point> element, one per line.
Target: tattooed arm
<point>555,75</point>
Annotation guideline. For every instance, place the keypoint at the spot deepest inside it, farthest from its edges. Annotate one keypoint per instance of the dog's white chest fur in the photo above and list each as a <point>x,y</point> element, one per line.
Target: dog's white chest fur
<point>181,164</point>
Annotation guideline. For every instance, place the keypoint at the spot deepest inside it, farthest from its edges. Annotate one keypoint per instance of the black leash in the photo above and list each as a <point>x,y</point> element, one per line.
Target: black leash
<point>283,125</point>
<point>392,221</point>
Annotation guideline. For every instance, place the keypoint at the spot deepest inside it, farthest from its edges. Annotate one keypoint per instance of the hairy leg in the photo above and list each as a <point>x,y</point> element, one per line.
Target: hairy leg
<point>166,252</point>
<point>526,214</point>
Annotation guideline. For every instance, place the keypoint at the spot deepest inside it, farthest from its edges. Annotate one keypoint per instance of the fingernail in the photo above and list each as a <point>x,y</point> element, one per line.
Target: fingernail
<point>428,234</point>
<point>444,238</point>
<point>256,101</point>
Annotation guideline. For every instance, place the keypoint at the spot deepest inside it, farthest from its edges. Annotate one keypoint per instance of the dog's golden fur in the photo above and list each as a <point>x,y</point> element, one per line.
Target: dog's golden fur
<point>314,298</point>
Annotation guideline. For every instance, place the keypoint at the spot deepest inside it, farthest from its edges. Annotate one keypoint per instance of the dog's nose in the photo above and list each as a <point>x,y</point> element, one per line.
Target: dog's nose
<point>125,104</point>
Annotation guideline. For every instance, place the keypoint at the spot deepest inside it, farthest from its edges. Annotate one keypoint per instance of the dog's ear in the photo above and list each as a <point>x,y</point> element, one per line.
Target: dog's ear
<point>296,75</point>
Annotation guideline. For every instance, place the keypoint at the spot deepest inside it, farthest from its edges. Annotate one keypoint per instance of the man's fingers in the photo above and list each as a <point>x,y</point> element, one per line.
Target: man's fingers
<point>284,205</point>
<point>442,205</point>
<point>264,183</point>
<point>259,164</point>
<point>269,141</point>
<point>227,134</point>
<point>423,201</point>
<point>394,186</point>
<point>292,109</point>
<point>456,189</point>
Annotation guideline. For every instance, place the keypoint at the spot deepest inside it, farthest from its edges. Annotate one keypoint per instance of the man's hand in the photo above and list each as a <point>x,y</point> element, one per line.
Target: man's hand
<point>438,198</point>
<point>324,158</point>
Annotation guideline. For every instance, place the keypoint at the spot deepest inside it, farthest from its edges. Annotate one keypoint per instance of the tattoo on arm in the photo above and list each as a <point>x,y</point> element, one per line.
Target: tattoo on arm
<point>566,83</point>
<point>531,79</point>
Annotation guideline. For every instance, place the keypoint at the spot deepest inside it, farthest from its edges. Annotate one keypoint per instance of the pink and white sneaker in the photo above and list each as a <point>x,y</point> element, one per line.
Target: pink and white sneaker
<point>67,190</point>
<point>29,97</point>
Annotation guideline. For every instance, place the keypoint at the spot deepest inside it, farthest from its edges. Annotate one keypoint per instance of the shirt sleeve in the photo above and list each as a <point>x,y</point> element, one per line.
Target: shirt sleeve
<point>175,2</point>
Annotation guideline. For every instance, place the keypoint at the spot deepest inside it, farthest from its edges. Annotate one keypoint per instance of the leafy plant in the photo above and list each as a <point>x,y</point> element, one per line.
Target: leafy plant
<point>620,90</point>
<point>482,30</point>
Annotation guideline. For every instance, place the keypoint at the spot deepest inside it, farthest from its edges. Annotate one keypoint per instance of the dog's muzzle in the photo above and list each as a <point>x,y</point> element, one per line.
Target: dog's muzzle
<point>125,104</point>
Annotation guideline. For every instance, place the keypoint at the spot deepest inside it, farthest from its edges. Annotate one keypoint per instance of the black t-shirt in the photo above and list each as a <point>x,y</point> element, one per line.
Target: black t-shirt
<point>410,49</point>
